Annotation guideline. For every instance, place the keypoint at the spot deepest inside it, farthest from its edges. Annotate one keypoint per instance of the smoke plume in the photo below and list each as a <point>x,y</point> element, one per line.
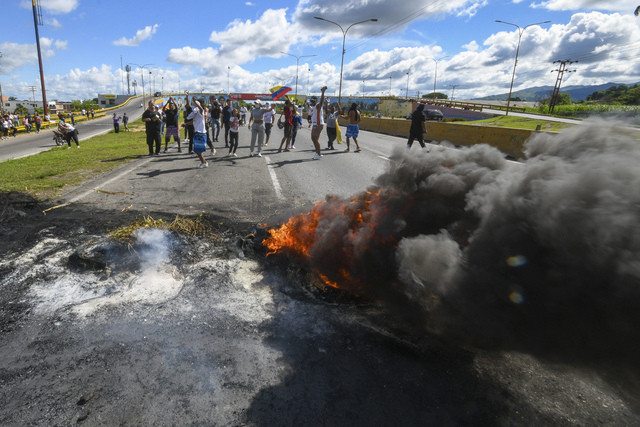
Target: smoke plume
<point>541,256</point>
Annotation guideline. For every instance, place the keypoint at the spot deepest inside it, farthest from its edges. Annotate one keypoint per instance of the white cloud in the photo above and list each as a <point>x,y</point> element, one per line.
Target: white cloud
<point>53,22</point>
<point>54,6</point>
<point>141,35</point>
<point>624,6</point>
<point>61,44</point>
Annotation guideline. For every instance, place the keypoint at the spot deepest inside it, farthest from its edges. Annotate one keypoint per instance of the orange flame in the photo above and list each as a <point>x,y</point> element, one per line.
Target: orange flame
<point>350,223</point>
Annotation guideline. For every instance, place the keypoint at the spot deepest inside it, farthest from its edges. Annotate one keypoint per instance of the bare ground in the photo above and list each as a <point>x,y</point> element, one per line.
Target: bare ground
<point>216,334</point>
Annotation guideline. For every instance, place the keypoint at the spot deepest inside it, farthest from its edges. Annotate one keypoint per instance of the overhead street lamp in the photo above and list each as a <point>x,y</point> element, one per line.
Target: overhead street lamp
<point>407,94</point>
<point>520,31</point>
<point>435,75</point>
<point>344,37</point>
<point>142,74</point>
<point>297,62</point>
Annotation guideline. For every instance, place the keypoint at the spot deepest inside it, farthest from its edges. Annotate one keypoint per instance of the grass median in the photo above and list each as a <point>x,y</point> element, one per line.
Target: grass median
<point>44,175</point>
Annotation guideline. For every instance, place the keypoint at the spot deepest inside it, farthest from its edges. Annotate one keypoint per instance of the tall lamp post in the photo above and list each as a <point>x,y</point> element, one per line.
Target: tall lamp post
<point>407,94</point>
<point>297,62</point>
<point>142,74</point>
<point>435,75</point>
<point>344,38</point>
<point>520,31</point>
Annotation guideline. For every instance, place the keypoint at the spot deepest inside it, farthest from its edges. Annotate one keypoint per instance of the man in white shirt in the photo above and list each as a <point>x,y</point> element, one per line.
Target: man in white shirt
<point>199,129</point>
<point>317,122</point>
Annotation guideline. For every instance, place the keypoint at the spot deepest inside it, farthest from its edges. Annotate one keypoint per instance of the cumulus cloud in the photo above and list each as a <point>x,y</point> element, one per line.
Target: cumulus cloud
<point>53,22</point>
<point>141,35</point>
<point>613,5</point>
<point>61,44</point>
<point>54,6</point>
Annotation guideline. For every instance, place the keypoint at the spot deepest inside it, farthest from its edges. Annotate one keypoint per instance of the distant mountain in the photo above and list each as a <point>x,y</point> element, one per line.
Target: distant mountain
<point>577,92</point>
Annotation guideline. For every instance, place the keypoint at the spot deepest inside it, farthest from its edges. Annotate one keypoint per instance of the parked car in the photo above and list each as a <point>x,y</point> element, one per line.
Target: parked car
<point>435,115</point>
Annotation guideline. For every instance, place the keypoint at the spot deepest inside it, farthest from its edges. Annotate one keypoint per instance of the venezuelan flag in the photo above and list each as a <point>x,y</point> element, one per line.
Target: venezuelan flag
<point>279,91</point>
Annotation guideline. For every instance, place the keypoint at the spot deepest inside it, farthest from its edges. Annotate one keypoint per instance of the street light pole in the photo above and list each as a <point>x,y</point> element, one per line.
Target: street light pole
<point>344,38</point>
<point>142,74</point>
<point>513,75</point>
<point>228,81</point>
<point>435,75</point>
<point>407,94</point>
<point>297,62</point>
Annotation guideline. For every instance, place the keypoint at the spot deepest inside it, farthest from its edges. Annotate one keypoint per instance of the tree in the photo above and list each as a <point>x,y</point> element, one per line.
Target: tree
<point>20,110</point>
<point>438,95</point>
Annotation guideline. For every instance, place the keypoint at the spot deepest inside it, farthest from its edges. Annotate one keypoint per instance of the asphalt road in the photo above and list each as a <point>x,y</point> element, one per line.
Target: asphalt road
<point>253,188</point>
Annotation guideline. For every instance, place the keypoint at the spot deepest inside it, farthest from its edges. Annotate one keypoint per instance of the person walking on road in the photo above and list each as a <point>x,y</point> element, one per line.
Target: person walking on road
<point>257,130</point>
<point>353,128</point>
<point>188,126</point>
<point>215,120</point>
<point>418,127</point>
<point>151,119</point>
<point>197,117</point>
<point>317,122</point>
<point>296,124</point>
<point>234,128</point>
<point>268,122</point>
<point>332,119</point>
<point>171,114</point>
<point>125,121</point>
<point>226,116</point>
<point>288,124</point>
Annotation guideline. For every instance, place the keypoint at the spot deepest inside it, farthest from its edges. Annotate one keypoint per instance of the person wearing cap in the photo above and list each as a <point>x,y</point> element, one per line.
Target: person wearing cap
<point>317,122</point>
<point>257,130</point>
<point>268,122</point>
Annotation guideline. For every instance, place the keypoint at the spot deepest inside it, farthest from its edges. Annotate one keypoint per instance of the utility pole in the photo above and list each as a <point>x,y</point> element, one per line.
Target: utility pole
<point>389,85</point>
<point>1,98</point>
<point>453,88</point>
<point>556,90</point>
<point>33,93</point>
<point>37,20</point>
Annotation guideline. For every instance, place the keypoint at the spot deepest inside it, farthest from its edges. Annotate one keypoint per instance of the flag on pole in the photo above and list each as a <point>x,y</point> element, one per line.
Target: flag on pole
<point>278,92</point>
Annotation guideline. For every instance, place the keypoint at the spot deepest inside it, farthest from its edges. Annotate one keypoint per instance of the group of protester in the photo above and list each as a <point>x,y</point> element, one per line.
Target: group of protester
<point>203,124</point>
<point>9,124</point>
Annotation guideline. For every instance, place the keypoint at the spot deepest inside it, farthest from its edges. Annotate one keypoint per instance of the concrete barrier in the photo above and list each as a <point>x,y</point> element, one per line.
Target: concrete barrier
<point>509,141</point>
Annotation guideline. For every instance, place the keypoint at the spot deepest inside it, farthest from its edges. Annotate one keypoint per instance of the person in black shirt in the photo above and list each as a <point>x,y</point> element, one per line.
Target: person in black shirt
<point>226,116</point>
<point>151,119</point>
<point>188,124</point>
<point>171,114</point>
<point>418,127</point>
<point>215,120</point>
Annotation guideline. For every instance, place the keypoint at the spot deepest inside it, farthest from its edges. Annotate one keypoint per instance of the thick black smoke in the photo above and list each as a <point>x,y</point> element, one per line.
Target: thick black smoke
<point>541,256</point>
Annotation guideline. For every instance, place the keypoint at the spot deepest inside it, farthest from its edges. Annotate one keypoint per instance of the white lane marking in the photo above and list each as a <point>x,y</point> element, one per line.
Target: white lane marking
<point>274,179</point>
<point>109,181</point>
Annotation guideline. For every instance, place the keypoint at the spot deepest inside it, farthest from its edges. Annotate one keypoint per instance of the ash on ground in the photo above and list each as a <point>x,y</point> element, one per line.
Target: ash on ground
<point>177,330</point>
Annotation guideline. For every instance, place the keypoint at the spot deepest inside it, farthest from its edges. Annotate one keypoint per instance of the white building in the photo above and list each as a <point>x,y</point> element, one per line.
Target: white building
<point>10,106</point>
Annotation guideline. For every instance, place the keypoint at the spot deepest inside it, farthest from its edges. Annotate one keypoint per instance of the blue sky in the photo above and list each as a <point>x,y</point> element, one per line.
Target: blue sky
<point>238,46</point>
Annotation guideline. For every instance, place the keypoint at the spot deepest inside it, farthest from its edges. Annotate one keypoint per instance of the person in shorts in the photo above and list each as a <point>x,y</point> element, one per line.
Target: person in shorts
<point>171,114</point>
<point>317,122</point>
<point>353,129</point>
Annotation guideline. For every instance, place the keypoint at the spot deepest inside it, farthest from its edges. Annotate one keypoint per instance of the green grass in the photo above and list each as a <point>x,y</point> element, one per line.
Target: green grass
<point>44,175</point>
<point>521,123</point>
<point>586,109</point>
